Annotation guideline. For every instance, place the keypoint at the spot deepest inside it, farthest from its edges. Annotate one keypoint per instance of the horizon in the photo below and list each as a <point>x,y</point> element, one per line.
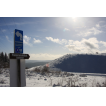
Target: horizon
<point>37,60</point>
<point>49,38</point>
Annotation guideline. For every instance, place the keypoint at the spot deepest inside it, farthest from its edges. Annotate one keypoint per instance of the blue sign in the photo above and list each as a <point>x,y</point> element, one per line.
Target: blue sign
<point>18,41</point>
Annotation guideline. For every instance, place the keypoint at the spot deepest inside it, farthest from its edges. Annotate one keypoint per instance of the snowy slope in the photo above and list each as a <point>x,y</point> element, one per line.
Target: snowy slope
<point>85,63</point>
<point>34,79</point>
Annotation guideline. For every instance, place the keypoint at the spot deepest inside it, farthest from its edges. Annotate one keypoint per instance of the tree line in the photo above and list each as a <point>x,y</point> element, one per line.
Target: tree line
<point>4,60</point>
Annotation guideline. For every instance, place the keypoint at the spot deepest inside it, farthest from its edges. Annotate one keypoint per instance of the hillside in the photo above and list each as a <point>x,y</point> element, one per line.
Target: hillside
<point>84,63</point>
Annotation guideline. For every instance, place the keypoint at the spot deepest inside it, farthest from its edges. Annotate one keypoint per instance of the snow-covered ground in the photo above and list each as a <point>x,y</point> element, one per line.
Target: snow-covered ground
<point>76,63</point>
<point>68,79</point>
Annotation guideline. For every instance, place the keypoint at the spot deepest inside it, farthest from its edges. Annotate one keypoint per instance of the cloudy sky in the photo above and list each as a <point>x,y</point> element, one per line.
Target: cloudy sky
<point>47,38</point>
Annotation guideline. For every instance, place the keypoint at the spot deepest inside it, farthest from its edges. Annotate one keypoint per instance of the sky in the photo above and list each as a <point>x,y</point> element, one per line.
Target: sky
<point>48,38</point>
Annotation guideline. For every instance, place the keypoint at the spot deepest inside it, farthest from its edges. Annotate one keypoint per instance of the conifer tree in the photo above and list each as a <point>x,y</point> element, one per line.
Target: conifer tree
<point>2,56</point>
<point>1,59</point>
<point>5,58</point>
<point>8,58</point>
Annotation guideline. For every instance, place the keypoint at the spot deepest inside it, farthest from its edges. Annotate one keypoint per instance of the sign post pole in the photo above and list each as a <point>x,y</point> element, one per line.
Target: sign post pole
<point>19,73</point>
<point>18,43</point>
<point>17,61</point>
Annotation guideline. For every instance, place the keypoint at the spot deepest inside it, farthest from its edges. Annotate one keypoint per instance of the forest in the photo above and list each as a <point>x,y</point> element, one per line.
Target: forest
<point>4,60</point>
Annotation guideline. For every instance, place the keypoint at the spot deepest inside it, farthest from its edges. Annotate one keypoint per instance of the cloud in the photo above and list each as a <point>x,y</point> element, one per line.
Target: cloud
<point>70,41</point>
<point>63,41</point>
<point>102,42</point>
<point>90,45</point>
<point>87,33</point>
<point>44,56</point>
<point>91,31</point>
<point>8,39</point>
<point>26,40</point>
<point>101,22</point>
<point>37,41</point>
<point>66,29</point>
<point>83,46</point>
<point>95,31</point>
<point>97,25</point>
<point>91,42</point>
<point>3,30</point>
<point>53,40</point>
<point>72,48</point>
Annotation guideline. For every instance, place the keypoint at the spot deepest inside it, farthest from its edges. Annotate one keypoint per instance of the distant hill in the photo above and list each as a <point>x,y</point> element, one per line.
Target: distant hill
<point>33,61</point>
<point>85,63</point>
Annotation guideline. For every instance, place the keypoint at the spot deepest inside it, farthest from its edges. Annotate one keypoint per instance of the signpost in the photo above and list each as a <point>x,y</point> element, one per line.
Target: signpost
<point>17,61</point>
<point>19,56</point>
<point>18,41</point>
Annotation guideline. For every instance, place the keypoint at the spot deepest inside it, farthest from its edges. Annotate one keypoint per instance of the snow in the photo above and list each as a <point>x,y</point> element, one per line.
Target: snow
<point>34,79</point>
<point>59,78</point>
